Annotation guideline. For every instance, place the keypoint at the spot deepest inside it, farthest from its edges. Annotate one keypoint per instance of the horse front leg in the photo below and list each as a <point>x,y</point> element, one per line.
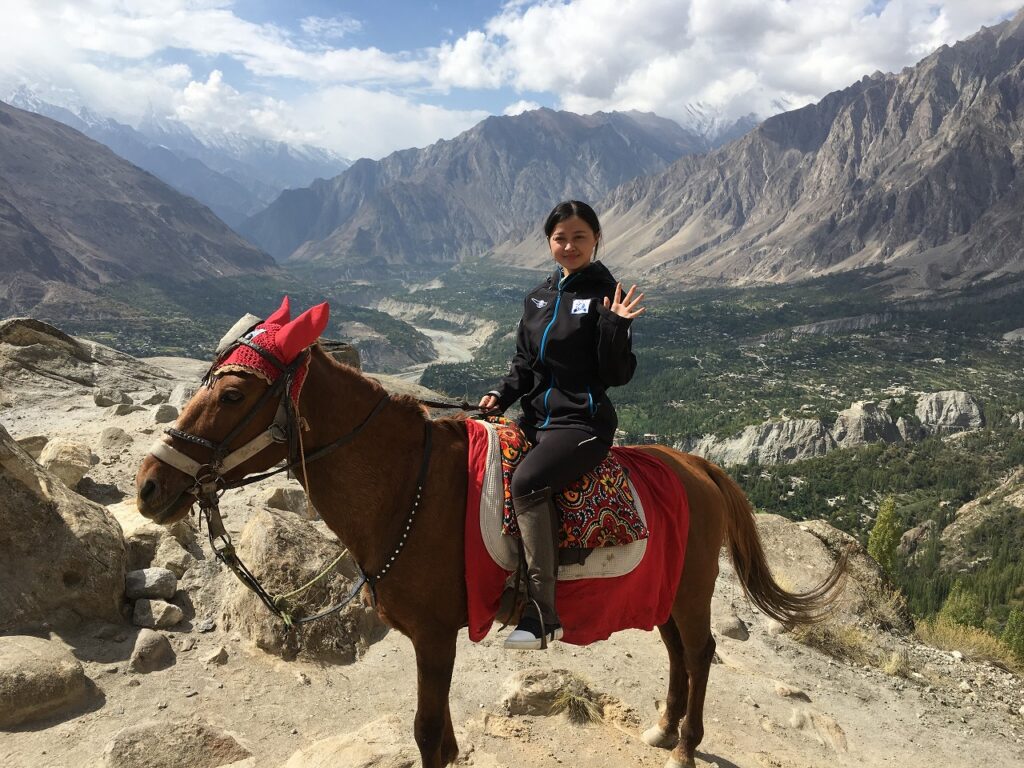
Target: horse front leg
<point>435,658</point>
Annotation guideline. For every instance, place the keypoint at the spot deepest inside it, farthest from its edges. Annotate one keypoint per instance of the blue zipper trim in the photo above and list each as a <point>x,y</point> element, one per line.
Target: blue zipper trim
<point>546,396</point>
<point>590,400</point>
<point>544,342</point>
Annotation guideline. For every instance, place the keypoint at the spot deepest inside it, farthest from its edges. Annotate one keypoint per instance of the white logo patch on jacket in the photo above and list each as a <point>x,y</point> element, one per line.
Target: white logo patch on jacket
<point>539,303</point>
<point>580,306</point>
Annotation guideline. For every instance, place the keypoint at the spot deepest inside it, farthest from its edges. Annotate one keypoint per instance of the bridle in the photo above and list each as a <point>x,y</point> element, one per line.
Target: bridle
<point>210,484</point>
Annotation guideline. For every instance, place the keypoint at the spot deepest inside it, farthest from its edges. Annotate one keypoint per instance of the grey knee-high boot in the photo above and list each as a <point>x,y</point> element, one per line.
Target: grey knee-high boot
<point>537,518</point>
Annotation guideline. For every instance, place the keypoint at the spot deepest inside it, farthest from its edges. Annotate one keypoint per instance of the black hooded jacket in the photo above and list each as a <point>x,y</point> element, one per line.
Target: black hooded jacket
<point>569,350</point>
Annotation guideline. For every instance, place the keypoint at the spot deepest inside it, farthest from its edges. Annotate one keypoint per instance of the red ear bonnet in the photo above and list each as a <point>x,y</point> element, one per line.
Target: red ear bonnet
<point>283,338</point>
<point>302,331</point>
<point>282,315</point>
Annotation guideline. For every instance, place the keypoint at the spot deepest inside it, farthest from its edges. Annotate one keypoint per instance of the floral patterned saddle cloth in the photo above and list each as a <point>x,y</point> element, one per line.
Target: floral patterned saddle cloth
<point>598,510</point>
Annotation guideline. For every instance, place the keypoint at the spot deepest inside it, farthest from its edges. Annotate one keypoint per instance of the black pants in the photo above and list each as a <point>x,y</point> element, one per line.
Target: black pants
<point>558,457</point>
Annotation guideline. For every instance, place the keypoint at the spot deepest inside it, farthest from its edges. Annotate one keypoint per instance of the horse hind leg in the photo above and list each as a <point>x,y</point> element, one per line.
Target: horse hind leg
<point>698,652</point>
<point>665,734</point>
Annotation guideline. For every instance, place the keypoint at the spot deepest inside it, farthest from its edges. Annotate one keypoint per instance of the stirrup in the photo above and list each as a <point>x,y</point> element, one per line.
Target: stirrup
<point>532,635</point>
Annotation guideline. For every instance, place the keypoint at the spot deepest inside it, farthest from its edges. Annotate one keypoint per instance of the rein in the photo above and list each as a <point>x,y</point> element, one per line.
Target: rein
<point>210,483</point>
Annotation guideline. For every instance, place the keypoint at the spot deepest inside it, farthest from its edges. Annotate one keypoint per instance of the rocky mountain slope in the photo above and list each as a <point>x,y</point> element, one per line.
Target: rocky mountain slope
<point>235,176</point>
<point>914,173</point>
<point>207,676</point>
<point>72,213</point>
<point>457,198</point>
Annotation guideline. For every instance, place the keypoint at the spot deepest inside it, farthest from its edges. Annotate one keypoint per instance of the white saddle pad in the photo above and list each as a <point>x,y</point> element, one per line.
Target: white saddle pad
<point>604,562</point>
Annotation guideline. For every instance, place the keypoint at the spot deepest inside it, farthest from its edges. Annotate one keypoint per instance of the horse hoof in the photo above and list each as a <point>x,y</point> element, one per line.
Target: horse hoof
<point>656,737</point>
<point>687,763</point>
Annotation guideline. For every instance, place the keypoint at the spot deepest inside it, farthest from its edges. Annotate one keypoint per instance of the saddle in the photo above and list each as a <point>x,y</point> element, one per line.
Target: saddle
<point>601,510</point>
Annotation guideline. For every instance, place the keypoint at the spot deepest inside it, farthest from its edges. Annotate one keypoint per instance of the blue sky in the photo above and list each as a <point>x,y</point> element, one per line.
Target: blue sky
<point>366,78</point>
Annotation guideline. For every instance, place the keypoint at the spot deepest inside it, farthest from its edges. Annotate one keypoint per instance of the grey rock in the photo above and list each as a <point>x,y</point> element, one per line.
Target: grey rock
<point>160,396</point>
<point>114,439</point>
<point>150,582</point>
<point>38,678</point>
<point>68,460</point>
<point>156,614</point>
<point>733,627</point>
<point>789,692</point>
<point>63,556</point>
<point>774,628</point>
<point>288,499</point>
<point>949,411</point>
<point>156,546</point>
<point>33,445</point>
<point>863,423</point>
<point>219,656</point>
<point>181,394</point>
<point>159,744</point>
<point>287,552</point>
<point>773,442</point>
<point>152,652</point>
<point>107,396</point>
<point>912,539</point>
<point>206,625</point>
<point>123,409</point>
<point>165,413</point>
<point>909,430</point>
<point>382,743</point>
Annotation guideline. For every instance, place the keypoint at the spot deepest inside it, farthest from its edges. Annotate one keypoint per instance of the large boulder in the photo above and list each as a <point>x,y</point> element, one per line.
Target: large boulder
<point>63,557</point>
<point>383,743</point>
<point>949,411</point>
<point>802,554</point>
<point>863,423</point>
<point>286,552</point>
<point>68,460</point>
<point>38,678</point>
<point>774,442</point>
<point>159,744</point>
<point>36,356</point>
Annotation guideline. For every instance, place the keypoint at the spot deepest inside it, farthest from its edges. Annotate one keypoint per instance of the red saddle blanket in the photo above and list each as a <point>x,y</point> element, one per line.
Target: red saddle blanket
<point>598,510</point>
<point>590,609</point>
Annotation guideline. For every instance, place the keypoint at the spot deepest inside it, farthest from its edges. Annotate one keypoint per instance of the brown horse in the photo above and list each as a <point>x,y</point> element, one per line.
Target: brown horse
<point>366,488</point>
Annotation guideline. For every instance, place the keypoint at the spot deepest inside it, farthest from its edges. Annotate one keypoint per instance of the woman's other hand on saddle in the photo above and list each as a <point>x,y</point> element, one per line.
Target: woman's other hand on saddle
<point>628,306</point>
<point>488,404</point>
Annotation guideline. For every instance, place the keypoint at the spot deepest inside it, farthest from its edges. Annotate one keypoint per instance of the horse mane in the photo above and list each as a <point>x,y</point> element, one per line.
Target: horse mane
<point>406,403</point>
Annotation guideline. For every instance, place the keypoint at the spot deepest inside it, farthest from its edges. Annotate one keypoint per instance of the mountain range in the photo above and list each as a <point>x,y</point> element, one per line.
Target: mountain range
<point>234,175</point>
<point>459,197</point>
<point>74,214</point>
<point>911,174</point>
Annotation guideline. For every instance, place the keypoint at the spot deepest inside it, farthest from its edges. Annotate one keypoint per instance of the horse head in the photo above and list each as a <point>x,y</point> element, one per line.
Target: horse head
<point>240,421</point>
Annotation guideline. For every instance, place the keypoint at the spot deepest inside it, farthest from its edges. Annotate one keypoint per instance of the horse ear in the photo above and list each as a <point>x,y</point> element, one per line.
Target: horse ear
<point>302,331</point>
<point>282,315</point>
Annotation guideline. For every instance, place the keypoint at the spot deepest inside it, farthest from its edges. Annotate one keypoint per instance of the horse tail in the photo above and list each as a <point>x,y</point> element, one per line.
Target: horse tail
<point>751,565</point>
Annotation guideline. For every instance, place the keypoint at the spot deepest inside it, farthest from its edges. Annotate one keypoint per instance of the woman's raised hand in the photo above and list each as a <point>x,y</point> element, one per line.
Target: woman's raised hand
<point>628,306</point>
<point>488,403</point>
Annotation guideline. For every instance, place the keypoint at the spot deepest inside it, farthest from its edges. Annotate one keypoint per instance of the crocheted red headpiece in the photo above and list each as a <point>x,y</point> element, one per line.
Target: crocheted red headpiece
<point>284,339</point>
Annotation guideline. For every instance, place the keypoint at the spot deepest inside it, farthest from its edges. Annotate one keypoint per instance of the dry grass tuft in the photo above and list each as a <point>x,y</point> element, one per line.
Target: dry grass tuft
<point>840,641</point>
<point>975,644</point>
<point>898,664</point>
<point>578,706</point>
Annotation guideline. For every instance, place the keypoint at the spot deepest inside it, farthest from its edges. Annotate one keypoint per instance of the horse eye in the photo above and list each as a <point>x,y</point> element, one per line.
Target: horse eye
<point>231,396</point>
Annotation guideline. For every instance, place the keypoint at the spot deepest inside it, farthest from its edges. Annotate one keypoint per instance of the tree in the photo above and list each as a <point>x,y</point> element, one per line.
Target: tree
<point>885,536</point>
<point>963,607</point>
<point>1013,634</point>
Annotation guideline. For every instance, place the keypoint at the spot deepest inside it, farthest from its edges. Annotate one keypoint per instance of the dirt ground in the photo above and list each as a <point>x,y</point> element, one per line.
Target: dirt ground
<point>771,701</point>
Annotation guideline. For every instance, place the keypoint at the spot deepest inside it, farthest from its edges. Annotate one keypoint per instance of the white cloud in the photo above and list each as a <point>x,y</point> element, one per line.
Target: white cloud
<point>520,106</point>
<point>735,55</point>
<point>335,27</point>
